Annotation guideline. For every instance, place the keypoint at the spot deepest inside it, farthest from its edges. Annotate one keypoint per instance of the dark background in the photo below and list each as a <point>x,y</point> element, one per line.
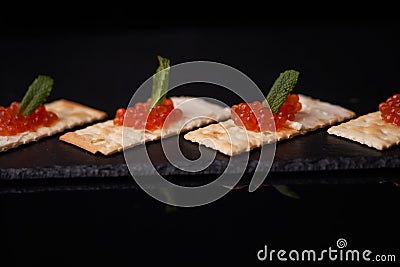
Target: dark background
<point>98,54</point>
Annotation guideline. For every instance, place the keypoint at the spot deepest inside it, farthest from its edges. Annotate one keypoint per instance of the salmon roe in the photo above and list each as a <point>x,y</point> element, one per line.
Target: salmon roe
<point>12,122</point>
<point>390,110</point>
<point>140,117</point>
<point>254,117</point>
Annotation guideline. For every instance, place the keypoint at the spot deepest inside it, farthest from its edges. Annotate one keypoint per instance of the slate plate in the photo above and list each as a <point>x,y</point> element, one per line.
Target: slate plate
<point>313,158</point>
<point>334,66</point>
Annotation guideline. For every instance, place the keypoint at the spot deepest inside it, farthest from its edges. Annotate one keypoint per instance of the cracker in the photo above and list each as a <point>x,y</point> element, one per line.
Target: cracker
<point>369,130</point>
<point>107,138</point>
<point>70,114</point>
<point>230,139</point>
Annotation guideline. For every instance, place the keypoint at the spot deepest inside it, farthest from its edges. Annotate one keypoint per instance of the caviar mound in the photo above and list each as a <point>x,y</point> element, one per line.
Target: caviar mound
<point>12,122</point>
<point>255,117</point>
<point>390,110</point>
<point>141,117</point>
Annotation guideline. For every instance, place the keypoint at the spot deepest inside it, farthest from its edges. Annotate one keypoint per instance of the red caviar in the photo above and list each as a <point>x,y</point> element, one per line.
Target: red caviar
<point>390,110</point>
<point>12,122</point>
<point>140,117</point>
<point>254,117</point>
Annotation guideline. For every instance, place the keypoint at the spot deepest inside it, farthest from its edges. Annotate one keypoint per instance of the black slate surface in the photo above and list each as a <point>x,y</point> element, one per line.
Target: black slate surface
<point>352,65</point>
<point>316,151</point>
<point>346,54</point>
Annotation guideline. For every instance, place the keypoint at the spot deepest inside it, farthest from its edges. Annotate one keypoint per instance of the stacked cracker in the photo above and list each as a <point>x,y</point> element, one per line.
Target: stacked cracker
<point>70,114</point>
<point>230,139</point>
<point>108,138</point>
<point>369,130</point>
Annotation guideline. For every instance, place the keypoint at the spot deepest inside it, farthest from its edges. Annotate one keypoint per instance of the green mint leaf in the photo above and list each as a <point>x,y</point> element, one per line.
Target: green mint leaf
<point>160,82</point>
<point>287,191</point>
<point>282,86</point>
<point>36,95</point>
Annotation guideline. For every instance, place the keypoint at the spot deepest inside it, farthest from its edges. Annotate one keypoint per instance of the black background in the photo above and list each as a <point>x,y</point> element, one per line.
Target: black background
<point>100,53</point>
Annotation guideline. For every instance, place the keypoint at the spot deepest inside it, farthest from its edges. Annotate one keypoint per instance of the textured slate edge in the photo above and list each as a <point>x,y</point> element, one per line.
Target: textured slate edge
<point>337,163</point>
<point>77,171</point>
<point>352,177</point>
<point>217,167</point>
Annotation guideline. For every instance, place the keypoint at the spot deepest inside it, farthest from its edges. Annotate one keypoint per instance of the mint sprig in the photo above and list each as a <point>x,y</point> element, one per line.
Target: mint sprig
<point>36,95</point>
<point>160,82</point>
<point>282,86</point>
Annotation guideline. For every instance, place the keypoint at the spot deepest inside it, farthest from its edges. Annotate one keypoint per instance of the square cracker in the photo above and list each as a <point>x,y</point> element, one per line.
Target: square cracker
<point>107,138</point>
<point>230,139</point>
<point>369,130</point>
<point>70,114</point>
